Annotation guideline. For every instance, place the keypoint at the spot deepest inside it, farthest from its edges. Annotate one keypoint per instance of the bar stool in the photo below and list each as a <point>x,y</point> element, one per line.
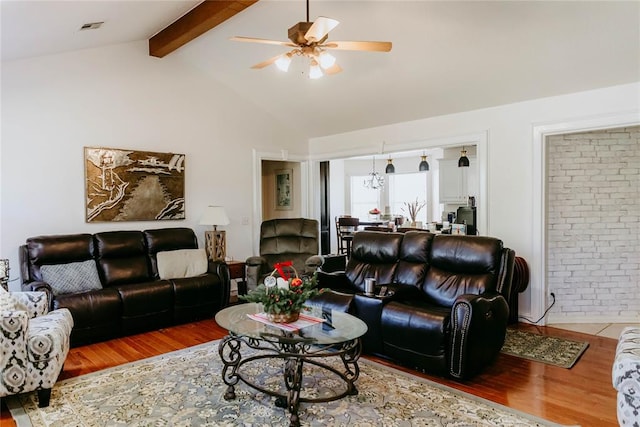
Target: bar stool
<point>347,226</point>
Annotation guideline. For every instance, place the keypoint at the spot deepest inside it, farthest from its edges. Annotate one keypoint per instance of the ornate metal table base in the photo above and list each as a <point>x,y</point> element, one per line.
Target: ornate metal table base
<point>295,352</point>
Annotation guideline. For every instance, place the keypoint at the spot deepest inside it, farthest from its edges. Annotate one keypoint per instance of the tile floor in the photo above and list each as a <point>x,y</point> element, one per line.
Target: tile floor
<point>609,330</point>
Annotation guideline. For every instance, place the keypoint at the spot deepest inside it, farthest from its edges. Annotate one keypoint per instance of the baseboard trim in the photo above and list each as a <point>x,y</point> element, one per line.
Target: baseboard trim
<point>552,319</point>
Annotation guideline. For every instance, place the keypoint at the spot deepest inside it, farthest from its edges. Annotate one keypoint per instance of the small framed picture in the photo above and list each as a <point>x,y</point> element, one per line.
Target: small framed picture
<point>284,189</point>
<point>458,229</point>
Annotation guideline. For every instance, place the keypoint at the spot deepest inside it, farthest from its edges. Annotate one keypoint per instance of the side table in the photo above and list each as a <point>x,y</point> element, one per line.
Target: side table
<point>237,270</point>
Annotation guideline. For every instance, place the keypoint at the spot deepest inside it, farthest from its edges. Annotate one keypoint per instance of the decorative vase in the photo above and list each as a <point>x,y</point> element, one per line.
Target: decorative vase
<point>283,317</point>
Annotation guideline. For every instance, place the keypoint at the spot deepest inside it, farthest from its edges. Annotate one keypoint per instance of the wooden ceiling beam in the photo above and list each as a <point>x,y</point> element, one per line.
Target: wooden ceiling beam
<point>194,23</point>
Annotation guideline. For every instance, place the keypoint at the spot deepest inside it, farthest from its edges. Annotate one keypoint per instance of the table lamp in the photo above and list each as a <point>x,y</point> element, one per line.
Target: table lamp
<point>216,240</point>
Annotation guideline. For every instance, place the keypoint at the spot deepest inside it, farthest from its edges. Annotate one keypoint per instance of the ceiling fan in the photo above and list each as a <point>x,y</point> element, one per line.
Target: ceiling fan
<point>309,39</point>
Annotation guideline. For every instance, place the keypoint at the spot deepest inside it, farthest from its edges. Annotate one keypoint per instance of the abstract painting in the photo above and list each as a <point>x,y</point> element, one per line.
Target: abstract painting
<point>129,185</point>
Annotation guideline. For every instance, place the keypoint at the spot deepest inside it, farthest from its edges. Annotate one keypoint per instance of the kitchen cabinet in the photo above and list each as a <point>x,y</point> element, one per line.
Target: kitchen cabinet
<point>457,184</point>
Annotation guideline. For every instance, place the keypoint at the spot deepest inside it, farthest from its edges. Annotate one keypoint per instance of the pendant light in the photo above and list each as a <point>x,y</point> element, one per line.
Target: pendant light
<point>424,165</point>
<point>390,168</point>
<point>375,180</point>
<point>463,161</point>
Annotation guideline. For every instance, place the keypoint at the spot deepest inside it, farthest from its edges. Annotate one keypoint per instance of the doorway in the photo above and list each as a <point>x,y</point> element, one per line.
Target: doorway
<point>281,189</point>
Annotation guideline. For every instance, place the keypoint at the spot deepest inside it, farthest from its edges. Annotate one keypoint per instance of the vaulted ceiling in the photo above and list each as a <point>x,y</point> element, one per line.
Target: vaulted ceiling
<point>447,56</point>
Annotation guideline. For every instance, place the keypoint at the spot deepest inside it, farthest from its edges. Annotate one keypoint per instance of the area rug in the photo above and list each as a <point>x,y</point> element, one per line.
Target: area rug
<point>543,348</point>
<point>184,388</point>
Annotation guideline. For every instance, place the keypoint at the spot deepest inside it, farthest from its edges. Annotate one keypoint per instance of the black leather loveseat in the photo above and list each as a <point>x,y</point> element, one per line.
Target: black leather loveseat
<point>112,282</point>
<point>446,307</point>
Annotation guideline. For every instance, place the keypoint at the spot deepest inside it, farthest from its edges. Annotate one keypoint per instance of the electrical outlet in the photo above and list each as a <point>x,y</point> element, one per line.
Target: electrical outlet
<point>245,220</point>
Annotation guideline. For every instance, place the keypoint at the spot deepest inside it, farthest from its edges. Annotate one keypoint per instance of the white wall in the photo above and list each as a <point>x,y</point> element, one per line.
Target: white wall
<point>119,96</point>
<point>510,200</point>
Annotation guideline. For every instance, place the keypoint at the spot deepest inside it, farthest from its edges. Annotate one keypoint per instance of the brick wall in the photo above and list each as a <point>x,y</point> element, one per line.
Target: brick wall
<point>593,225</point>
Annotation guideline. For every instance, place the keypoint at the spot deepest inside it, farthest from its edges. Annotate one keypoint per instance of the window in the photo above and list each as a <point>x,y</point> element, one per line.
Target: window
<point>362,199</point>
<point>407,187</point>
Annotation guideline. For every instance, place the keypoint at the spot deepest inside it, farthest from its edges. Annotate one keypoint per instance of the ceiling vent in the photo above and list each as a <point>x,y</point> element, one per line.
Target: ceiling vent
<point>91,26</point>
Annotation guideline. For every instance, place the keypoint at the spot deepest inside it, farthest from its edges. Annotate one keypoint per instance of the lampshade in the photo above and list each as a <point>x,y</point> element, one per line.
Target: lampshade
<point>283,62</point>
<point>326,60</point>
<point>390,168</point>
<point>214,215</point>
<point>424,165</point>
<point>463,161</point>
<point>314,70</point>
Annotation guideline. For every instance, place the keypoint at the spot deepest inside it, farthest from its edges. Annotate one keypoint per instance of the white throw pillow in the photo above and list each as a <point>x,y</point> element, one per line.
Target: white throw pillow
<point>72,277</point>
<point>181,263</point>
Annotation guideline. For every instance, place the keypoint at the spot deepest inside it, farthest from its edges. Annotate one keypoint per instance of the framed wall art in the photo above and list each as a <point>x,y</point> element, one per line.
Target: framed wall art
<point>129,185</point>
<point>284,189</point>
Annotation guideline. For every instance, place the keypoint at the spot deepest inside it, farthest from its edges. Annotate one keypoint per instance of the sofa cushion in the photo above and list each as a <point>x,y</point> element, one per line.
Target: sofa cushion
<point>196,297</point>
<point>122,257</point>
<point>416,332</point>
<point>462,265</point>
<point>413,261</point>
<point>167,239</point>
<point>57,249</point>
<point>182,263</point>
<point>373,255</point>
<point>96,314</point>
<point>72,277</point>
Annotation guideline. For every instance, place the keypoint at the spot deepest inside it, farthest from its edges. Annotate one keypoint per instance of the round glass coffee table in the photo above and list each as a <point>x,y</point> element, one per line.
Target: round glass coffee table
<point>253,341</point>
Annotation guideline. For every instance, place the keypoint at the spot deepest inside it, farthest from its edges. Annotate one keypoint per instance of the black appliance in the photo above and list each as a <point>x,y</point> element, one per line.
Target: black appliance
<point>467,215</point>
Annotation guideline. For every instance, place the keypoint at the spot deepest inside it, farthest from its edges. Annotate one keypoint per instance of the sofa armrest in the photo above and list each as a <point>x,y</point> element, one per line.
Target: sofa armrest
<point>256,266</point>
<point>48,338</point>
<point>313,263</point>
<point>13,340</point>
<point>37,286</point>
<point>478,329</point>
<point>34,303</point>
<point>255,261</point>
<point>222,270</point>
<point>336,281</point>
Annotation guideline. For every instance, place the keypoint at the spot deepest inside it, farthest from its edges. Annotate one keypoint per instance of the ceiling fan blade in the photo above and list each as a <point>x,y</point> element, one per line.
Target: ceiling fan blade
<point>334,69</point>
<point>264,41</point>
<point>320,28</point>
<point>368,46</point>
<point>266,63</point>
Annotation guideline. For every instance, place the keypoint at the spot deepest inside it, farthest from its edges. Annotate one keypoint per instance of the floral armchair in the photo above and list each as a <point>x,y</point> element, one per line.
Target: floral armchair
<point>34,343</point>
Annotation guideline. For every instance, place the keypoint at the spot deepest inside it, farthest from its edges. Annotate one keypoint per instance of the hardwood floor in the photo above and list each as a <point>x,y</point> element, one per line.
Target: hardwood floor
<point>582,395</point>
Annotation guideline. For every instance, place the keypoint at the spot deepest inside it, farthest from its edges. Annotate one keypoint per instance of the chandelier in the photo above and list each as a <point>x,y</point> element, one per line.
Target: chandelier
<point>374,180</point>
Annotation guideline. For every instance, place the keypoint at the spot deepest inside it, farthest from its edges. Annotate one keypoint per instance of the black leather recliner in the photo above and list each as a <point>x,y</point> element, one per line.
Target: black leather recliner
<point>285,239</point>
<point>446,308</point>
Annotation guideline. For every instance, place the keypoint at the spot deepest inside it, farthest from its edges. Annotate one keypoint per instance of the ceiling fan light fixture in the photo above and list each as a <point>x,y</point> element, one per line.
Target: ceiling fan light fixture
<point>326,60</point>
<point>283,62</point>
<point>314,70</point>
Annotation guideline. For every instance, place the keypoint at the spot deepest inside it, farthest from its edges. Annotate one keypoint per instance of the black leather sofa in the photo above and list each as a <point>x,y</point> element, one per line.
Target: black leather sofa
<point>130,297</point>
<point>446,308</point>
